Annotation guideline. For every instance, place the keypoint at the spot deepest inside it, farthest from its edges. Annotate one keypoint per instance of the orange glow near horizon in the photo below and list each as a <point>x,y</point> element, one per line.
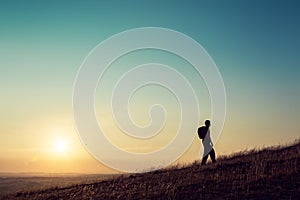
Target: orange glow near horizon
<point>54,146</point>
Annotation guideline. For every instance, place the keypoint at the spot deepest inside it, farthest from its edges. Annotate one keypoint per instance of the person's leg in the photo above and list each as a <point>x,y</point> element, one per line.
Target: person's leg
<point>204,159</point>
<point>207,149</point>
<point>212,155</point>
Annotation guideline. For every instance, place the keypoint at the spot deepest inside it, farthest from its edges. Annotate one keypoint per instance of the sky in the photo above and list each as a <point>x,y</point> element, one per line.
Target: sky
<point>255,45</point>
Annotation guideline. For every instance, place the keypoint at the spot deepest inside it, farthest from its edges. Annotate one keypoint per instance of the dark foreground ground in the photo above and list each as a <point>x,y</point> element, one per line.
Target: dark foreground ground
<point>271,173</point>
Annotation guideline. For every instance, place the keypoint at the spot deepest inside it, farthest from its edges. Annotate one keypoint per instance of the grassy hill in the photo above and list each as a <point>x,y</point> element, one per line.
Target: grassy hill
<point>271,173</point>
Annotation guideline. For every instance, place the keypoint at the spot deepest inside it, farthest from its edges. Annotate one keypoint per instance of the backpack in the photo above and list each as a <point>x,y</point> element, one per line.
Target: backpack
<point>202,132</point>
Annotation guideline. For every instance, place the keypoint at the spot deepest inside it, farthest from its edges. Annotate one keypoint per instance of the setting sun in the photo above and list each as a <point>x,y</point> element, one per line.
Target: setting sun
<point>60,145</point>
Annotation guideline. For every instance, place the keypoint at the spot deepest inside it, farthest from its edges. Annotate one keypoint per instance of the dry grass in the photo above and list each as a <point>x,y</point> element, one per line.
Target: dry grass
<point>271,173</point>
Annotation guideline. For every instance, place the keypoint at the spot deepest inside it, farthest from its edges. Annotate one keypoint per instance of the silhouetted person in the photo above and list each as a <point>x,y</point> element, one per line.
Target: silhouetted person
<point>204,134</point>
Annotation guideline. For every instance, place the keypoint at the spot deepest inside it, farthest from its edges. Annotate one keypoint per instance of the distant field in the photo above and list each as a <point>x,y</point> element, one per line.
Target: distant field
<point>13,183</point>
<point>271,173</point>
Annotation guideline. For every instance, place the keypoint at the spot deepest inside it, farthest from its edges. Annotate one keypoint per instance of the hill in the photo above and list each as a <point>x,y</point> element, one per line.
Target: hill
<point>271,173</point>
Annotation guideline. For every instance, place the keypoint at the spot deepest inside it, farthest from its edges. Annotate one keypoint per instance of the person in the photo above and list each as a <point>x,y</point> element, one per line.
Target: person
<point>208,145</point>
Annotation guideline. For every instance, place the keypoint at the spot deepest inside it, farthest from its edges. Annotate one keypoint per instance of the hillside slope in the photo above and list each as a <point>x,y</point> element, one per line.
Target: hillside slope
<point>265,174</point>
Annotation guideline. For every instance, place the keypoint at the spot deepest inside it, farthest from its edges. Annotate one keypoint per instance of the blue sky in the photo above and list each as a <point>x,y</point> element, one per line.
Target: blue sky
<point>255,45</point>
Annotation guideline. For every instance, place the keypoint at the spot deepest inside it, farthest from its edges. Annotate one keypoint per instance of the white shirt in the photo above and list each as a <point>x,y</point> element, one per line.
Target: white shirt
<point>207,140</point>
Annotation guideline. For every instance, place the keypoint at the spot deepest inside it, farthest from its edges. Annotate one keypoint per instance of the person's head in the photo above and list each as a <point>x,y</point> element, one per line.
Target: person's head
<point>207,123</point>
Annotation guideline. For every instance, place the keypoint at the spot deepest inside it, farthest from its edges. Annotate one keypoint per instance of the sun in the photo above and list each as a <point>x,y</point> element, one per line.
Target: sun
<point>60,146</point>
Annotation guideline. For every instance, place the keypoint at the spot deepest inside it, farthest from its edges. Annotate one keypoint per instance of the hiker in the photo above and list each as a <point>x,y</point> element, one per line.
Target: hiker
<point>204,134</point>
